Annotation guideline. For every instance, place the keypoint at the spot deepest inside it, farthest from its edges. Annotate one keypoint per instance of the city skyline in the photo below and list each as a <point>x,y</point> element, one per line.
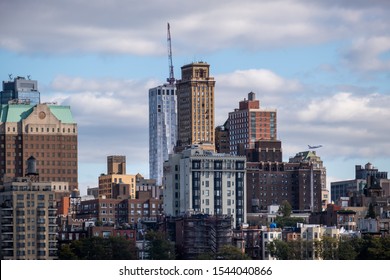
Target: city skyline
<point>324,67</point>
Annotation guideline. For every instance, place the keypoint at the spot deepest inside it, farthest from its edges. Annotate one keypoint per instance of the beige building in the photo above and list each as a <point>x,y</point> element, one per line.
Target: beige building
<point>116,166</point>
<point>195,103</point>
<point>28,220</point>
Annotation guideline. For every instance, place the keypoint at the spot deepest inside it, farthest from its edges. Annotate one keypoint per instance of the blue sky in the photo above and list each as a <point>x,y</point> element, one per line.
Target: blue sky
<point>324,65</point>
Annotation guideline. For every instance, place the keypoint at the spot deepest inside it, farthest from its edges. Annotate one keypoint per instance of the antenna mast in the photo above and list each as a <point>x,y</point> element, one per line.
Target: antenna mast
<point>171,79</point>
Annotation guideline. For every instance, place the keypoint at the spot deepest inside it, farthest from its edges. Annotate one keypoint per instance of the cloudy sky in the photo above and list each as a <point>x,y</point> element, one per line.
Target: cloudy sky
<point>324,65</point>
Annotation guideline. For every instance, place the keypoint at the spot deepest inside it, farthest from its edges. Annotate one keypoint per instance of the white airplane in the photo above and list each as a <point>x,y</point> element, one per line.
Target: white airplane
<point>314,147</point>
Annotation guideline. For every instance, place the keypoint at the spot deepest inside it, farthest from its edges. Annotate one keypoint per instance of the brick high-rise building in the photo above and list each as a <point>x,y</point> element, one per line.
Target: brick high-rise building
<point>301,181</point>
<point>47,132</point>
<point>195,106</point>
<point>249,123</point>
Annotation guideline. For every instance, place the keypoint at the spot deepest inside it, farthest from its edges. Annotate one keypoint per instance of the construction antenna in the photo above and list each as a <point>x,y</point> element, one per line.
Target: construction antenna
<point>171,79</point>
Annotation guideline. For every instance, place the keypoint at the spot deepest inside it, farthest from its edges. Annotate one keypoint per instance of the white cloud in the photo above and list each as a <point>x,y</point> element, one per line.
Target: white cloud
<point>348,126</point>
<point>112,118</point>
<point>262,80</point>
<point>345,107</point>
<point>270,88</point>
<point>93,100</point>
<point>120,26</point>
<point>365,54</point>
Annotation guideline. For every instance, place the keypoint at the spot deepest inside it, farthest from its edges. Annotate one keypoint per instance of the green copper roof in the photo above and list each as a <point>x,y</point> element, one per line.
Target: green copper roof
<point>62,113</point>
<point>15,112</point>
<point>19,112</point>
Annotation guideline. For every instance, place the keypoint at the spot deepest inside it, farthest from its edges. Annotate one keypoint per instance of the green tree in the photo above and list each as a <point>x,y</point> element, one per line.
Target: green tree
<point>285,208</point>
<point>123,249</point>
<point>206,256</point>
<point>371,212</point>
<point>66,253</point>
<point>283,250</point>
<point>230,252</point>
<point>159,247</point>
<point>288,221</point>
<point>98,248</point>
<point>329,246</point>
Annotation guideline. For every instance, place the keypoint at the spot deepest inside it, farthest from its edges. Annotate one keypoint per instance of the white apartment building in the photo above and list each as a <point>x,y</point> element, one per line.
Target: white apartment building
<point>162,128</point>
<point>202,181</point>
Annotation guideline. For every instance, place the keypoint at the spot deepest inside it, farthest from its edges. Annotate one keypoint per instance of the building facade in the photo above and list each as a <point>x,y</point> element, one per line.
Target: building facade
<point>357,186</point>
<point>249,123</point>
<point>116,165</point>
<point>202,234</point>
<point>118,211</point>
<point>222,139</point>
<point>199,181</point>
<point>116,182</point>
<point>28,220</point>
<point>162,128</point>
<point>45,131</point>
<point>301,181</point>
<point>195,106</point>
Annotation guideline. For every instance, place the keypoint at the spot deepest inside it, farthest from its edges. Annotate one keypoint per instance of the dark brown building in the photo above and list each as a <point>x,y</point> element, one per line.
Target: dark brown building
<point>45,131</point>
<point>301,181</point>
<point>222,139</point>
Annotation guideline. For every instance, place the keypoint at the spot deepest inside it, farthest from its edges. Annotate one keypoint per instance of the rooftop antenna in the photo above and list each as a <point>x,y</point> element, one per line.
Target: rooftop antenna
<point>10,76</point>
<point>171,79</point>
<point>28,77</point>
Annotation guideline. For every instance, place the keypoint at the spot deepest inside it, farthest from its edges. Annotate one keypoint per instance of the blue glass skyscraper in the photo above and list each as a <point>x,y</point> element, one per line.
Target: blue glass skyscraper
<point>20,90</point>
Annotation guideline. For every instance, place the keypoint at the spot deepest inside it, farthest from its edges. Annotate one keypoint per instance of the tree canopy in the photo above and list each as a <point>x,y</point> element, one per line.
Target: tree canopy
<point>285,208</point>
<point>159,247</point>
<point>98,248</point>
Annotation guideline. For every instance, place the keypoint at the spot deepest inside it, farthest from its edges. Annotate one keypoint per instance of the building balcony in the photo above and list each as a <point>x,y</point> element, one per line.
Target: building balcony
<point>7,247</point>
<point>7,229</point>
<point>52,213</point>
<point>8,222</point>
<point>8,255</point>
<point>7,238</point>
<point>7,214</point>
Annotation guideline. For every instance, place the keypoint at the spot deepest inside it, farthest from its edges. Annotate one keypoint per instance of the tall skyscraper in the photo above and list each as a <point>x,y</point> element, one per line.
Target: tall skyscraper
<point>45,131</point>
<point>162,128</point>
<point>249,123</point>
<point>195,106</point>
<point>20,90</point>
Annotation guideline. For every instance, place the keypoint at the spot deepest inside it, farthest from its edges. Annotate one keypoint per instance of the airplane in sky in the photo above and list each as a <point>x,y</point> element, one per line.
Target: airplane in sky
<point>314,147</point>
